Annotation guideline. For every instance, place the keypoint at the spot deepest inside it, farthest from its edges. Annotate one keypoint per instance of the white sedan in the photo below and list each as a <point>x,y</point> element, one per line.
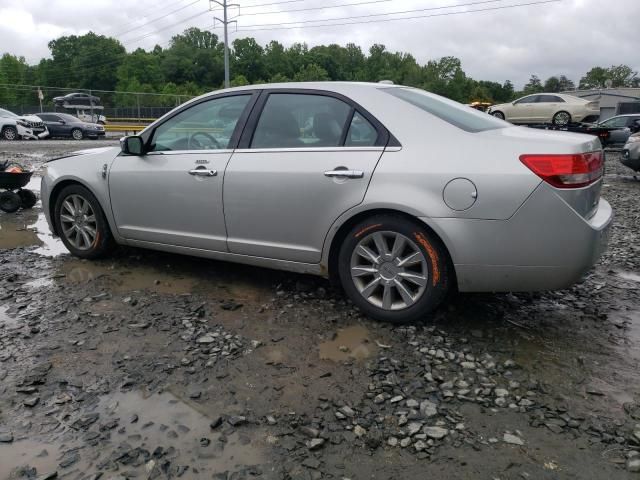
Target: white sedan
<point>555,108</point>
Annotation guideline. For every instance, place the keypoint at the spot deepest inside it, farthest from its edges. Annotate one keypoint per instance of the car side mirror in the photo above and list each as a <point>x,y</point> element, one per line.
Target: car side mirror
<point>132,145</point>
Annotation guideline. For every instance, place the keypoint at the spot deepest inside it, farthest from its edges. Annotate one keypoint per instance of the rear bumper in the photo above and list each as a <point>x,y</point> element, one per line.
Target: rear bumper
<point>545,245</point>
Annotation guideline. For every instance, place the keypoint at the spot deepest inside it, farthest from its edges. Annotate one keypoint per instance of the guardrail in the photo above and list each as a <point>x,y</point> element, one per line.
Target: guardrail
<point>125,128</point>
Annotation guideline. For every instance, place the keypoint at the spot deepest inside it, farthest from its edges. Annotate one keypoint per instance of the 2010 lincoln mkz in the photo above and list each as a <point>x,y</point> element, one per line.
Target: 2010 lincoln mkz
<point>399,194</point>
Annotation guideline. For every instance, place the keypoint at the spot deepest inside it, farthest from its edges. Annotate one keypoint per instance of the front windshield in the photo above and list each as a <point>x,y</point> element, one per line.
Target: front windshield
<point>7,113</point>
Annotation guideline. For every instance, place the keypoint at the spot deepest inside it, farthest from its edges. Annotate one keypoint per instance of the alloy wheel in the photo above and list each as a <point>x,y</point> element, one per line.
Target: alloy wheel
<point>389,270</point>
<point>561,118</point>
<point>10,133</point>
<point>78,221</point>
<point>77,134</point>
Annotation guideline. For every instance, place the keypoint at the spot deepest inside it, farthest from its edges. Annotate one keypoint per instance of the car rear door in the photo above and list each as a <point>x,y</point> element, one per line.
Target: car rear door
<point>546,107</point>
<point>172,194</point>
<point>305,158</point>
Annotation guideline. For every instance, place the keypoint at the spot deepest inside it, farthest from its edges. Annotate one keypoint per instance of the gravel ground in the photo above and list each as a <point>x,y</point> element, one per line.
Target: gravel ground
<point>151,365</point>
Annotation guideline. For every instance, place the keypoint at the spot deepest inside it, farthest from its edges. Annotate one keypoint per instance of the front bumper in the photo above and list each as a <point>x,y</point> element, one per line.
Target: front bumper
<point>631,157</point>
<point>545,245</point>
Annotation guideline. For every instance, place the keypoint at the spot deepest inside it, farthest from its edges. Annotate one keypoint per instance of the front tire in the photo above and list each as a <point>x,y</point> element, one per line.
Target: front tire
<point>77,134</point>
<point>393,269</point>
<point>561,119</point>
<point>10,133</point>
<point>499,115</point>
<point>81,223</point>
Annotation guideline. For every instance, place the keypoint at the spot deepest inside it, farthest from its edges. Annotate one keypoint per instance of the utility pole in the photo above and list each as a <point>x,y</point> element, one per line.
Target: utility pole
<point>225,22</point>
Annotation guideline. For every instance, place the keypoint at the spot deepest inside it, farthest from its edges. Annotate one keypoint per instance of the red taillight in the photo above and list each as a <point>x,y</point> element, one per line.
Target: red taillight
<point>566,171</point>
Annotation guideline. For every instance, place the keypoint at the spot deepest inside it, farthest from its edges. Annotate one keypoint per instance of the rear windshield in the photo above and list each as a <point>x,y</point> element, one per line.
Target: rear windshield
<point>466,118</point>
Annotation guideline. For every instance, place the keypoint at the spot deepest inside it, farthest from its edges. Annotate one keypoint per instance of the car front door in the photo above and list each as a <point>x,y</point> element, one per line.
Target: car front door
<point>523,110</point>
<point>53,124</point>
<point>308,159</point>
<point>173,193</point>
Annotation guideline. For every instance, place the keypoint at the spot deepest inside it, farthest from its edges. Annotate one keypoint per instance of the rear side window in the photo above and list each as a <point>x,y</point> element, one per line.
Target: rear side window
<point>292,120</point>
<point>549,99</point>
<point>458,115</point>
<point>361,133</point>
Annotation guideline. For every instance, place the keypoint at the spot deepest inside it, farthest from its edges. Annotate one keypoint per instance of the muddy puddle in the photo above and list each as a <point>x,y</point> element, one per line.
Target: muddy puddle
<point>138,433</point>
<point>28,228</point>
<point>182,278</point>
<point>349,343</point>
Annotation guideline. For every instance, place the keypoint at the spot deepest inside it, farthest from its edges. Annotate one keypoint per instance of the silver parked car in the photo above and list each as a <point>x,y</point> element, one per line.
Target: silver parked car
<point>631,152</point>
<point>398,194</point>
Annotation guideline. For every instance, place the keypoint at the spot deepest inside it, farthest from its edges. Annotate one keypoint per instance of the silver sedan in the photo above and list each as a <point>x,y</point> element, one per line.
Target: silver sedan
<point>397,194</point>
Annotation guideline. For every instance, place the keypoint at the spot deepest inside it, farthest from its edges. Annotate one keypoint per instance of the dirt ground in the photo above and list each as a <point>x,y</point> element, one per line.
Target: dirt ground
<point>152,365</point>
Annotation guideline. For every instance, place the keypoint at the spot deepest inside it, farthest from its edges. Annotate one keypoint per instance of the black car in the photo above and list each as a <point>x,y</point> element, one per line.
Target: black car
<point>65,125</point>
<point>624,125</point>
<point>77,99</point>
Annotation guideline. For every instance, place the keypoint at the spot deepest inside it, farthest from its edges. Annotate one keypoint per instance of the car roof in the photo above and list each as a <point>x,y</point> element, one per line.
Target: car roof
<point>625,115</point>
<point>337,87</point>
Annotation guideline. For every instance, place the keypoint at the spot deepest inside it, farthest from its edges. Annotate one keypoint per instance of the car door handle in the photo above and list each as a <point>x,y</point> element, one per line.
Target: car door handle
<point>344,173</point>
<point>203,172</point>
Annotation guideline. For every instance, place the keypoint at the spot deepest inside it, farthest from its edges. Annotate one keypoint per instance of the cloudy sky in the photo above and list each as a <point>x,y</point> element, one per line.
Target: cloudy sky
<point>494,43</point>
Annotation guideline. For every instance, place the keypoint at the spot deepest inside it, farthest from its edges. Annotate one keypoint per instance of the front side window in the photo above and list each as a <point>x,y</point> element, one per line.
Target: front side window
<point>207,125</point>
<point>458,115</point>
<point>291,120</point>
<point>615,122</point>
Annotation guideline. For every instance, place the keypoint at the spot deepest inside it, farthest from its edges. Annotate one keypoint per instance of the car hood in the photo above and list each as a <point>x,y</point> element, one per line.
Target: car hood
<point>89,151</point>
<point>30,118</point>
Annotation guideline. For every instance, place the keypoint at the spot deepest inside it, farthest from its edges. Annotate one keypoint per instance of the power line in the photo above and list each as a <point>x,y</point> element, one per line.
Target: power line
<point>368,2</point>
<point>130,41</point>
<point>156,19</point>
<point>503,7</point>
<point>162,6</point>
<point>371,15</point>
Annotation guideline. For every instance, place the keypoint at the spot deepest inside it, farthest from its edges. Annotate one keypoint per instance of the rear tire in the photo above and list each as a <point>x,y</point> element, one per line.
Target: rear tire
<point>28,198</point>
<point>561,119</point>
<point>77,134</point>
<point>393,269</point>
<point>10,133</point>
<point>9,201</point>
<point>81,223</point>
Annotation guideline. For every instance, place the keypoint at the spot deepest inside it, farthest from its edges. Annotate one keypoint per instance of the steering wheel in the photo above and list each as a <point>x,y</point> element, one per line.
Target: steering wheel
<point>199,145</point>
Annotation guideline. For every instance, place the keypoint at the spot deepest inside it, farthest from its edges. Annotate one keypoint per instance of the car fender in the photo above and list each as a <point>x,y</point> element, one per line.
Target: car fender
<point>89,169</point>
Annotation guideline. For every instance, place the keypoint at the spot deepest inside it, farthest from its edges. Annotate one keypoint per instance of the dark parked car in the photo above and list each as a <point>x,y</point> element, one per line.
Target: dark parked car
<point>65,125</point>
<point>77,99</point>
<point>625,126</point>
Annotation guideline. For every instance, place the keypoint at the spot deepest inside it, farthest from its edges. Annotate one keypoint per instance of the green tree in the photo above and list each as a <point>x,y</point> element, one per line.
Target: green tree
<point>311,73</point>
<point>533,86</point>
<point>88,61</point>
<point>239,81</point>
<point>248,59</point>
<point>279,78</point>
<point>594,78</point>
